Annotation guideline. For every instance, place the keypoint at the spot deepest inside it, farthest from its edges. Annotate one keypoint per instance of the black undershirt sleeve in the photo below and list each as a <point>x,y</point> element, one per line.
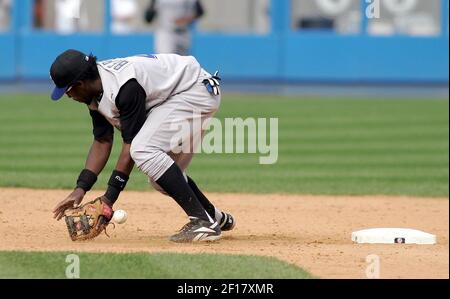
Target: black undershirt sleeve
<point>199,11</point>
<point>102,129</point>
<point>150,12</point>
<point>131,104</point>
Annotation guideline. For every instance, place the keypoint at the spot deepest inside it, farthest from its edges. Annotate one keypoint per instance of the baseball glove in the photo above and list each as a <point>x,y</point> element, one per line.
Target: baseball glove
<point>89,220</point>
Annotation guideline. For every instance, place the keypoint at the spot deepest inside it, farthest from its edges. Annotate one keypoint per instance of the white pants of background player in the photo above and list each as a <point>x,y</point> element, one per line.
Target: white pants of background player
<point>153,147</point>
<point>169,41</point>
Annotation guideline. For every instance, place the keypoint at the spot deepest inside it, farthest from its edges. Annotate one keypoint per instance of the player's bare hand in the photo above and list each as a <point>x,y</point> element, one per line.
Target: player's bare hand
<point>73,200</point>
<point>184,21</point>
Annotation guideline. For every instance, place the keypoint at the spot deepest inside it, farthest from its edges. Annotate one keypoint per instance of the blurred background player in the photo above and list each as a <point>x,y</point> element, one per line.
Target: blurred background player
<point>38,14</point>
<point>69,16</point>
<point>173,20</point>
<point>123,14</point>
<point>5,6</point>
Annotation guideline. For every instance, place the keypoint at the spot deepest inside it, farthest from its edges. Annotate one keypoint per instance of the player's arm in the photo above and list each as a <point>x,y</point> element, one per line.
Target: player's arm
<point>103,141</point>
<point>131,104</point>
<point>96,160</point>
<point>199,10</point>
<point>150,13</point>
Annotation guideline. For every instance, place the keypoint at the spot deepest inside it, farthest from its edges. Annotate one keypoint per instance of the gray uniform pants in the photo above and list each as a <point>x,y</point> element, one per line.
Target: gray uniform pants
<point>157,145</point>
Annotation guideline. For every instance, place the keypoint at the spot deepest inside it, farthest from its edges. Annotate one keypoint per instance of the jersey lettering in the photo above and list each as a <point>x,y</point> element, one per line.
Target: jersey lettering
<point>115,64</point>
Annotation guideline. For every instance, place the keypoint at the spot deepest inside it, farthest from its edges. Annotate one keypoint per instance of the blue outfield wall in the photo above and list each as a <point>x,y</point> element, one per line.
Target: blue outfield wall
<point>365,58</point>
<point>280,55</point>
<point>7,56</point>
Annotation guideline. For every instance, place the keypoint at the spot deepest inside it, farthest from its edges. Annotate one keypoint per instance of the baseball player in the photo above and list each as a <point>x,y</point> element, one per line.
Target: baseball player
<point>145,97</point>
<point>5,12</point>
<point>173,19</point>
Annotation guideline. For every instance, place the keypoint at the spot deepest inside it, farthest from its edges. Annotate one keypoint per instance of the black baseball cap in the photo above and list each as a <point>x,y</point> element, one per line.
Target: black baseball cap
<point>66,69</point>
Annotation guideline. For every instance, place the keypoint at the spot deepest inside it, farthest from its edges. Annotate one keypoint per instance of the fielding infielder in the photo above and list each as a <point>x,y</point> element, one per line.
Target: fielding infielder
<point>145,97</point>
<point>173,19</point>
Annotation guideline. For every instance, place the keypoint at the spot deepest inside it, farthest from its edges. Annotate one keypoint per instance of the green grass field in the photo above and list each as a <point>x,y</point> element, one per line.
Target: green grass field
<point>144,265</point>
<point>326,146</point>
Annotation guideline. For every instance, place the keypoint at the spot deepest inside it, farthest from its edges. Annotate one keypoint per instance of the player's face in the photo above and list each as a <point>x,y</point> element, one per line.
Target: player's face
<point>80,93</point>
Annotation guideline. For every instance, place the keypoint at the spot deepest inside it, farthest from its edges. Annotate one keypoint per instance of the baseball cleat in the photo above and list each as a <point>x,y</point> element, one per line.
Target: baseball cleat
<point>197,230</point>
<point>227,222</point>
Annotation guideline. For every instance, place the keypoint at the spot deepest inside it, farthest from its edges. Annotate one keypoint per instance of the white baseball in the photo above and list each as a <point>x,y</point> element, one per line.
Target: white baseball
<point>119,216</point>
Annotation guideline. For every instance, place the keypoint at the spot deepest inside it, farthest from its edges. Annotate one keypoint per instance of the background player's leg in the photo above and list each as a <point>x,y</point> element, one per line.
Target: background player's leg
<point>164,42</point>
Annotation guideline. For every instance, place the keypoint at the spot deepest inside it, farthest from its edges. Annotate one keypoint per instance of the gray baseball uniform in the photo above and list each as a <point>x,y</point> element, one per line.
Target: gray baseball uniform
<point>174,95</point>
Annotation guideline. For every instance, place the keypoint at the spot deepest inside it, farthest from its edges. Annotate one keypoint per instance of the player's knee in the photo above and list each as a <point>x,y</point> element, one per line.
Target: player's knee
<point>140,151</point>
<point>134,151</point>
<point>150,160</point>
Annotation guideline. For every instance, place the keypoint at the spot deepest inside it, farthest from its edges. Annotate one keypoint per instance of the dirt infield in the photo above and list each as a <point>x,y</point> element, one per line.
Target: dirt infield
<point>310,231</point>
